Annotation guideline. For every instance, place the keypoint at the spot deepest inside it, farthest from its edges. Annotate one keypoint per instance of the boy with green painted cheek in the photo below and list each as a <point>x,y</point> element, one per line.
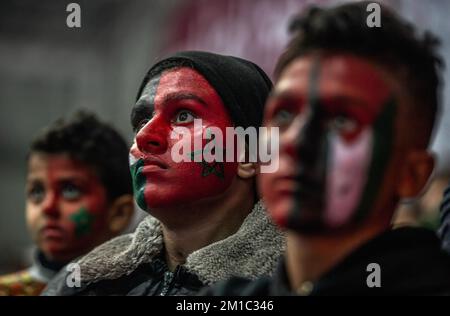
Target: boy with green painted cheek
<point>356,108</point>
<point>78,195</point>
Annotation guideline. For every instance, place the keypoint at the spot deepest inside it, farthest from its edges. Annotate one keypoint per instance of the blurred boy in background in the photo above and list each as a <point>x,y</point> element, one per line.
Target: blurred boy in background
<point>78,195</point>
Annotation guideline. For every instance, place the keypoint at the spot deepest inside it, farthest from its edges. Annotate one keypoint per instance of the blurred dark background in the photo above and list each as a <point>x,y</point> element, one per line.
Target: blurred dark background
<point>48,70</point>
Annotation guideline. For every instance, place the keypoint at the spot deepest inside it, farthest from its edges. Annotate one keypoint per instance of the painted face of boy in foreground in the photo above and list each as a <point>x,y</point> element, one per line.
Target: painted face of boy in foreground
<point>336,116</point>
<point>173,99</point>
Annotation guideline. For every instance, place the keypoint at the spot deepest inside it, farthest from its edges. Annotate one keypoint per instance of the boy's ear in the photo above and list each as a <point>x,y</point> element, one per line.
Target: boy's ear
<point>247,170</point>
<point>416,172</point>
<point>120,214</point>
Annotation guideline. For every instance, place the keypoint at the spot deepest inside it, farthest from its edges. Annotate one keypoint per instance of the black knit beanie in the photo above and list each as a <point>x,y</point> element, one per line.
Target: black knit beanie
<point>241,84</point>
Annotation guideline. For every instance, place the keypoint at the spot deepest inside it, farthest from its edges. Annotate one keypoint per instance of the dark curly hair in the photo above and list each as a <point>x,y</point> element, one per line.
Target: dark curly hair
<point>85,138</point>
<point>396,46</point>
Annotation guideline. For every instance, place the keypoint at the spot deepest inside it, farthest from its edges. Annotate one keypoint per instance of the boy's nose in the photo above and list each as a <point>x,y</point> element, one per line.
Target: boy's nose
<point>291,138</point>
<point>50,205</point>
<point>152,138</point>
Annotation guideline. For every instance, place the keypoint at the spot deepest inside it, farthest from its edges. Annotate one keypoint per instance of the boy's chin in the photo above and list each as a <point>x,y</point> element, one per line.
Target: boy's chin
<point>58,252</point>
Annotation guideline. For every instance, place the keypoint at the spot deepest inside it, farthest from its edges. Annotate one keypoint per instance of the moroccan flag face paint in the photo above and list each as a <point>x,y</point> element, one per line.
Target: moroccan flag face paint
<point>336,116</point>
<point>67,206</point>
<point>139,179</point>
<point>175,99</point>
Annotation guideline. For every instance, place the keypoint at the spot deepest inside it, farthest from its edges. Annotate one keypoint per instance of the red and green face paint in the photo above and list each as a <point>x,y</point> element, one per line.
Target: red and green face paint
<point>83,220</point>
<point>336,117</point>
<point>66,206</point>
<point>175,99</point>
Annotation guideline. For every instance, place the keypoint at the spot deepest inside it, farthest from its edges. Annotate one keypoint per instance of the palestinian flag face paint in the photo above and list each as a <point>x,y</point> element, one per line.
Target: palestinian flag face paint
<point>336,116</point>
<point>355,169</point>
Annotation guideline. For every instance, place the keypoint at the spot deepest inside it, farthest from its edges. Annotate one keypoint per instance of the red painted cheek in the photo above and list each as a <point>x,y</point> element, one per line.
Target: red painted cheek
<point>279,204</point>
<point>86,219</point>
<point>188,181</point>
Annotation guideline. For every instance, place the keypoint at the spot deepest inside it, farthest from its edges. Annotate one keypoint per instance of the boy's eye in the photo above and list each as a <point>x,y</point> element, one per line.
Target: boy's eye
<point>282,117</point>
<point>36,193</point>
<point>139,121</point>
<point>70,191</point>
<point>184,117</point>
<point>344,124</point>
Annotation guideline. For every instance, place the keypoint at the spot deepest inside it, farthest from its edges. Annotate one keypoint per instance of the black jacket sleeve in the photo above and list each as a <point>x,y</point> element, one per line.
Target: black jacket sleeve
<point>444,230</point>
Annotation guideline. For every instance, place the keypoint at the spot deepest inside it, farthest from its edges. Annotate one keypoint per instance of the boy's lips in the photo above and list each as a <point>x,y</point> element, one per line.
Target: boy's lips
<point>155,161</point>
<point>295,184</point>
<point>52,231</point>
<point>285,184</point>
<point>153,164</point>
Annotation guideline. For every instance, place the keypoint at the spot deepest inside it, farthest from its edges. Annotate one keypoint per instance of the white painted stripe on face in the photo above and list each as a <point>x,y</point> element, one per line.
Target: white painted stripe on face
<point>347,175</point>
<point>131,159</point>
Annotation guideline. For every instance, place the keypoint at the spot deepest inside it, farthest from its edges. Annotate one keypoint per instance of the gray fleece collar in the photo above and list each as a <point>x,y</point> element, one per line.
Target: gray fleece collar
<point>251,252</point>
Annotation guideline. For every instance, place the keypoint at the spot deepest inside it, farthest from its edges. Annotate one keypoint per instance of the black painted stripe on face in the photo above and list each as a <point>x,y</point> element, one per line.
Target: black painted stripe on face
<point>143,110</point>
<point>145,106</point>
<point>384,133</point>
<point>308,207</point>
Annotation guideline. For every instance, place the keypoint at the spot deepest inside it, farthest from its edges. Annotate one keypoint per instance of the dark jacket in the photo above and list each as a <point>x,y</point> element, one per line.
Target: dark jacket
<point>444,230</point>
<point>134,264</point>
<point>149,279</point>
<point>410,259</point>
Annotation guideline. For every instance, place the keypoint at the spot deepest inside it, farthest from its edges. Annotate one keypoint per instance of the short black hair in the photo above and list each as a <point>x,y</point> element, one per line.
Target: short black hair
<point>395,45</point>
<point>85,138</point>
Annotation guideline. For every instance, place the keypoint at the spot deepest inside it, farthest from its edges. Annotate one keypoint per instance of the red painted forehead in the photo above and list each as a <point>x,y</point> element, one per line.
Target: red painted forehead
<point>353,77</point>
<point>186,81</point>
<point>340,77</point>
<point>58,166</point>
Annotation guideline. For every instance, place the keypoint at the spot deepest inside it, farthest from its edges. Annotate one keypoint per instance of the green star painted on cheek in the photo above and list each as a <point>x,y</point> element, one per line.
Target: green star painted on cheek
<point>208,168</point>
<point>83,222</point>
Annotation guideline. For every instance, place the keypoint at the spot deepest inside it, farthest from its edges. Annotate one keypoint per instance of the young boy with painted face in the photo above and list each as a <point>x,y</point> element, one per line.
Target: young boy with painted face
<point>207,223</point>
<point>355,107</point>
<point>78,195</point>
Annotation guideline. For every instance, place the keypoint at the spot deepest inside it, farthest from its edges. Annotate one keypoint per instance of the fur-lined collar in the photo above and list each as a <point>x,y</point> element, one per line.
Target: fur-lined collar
<point>251,252</point>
